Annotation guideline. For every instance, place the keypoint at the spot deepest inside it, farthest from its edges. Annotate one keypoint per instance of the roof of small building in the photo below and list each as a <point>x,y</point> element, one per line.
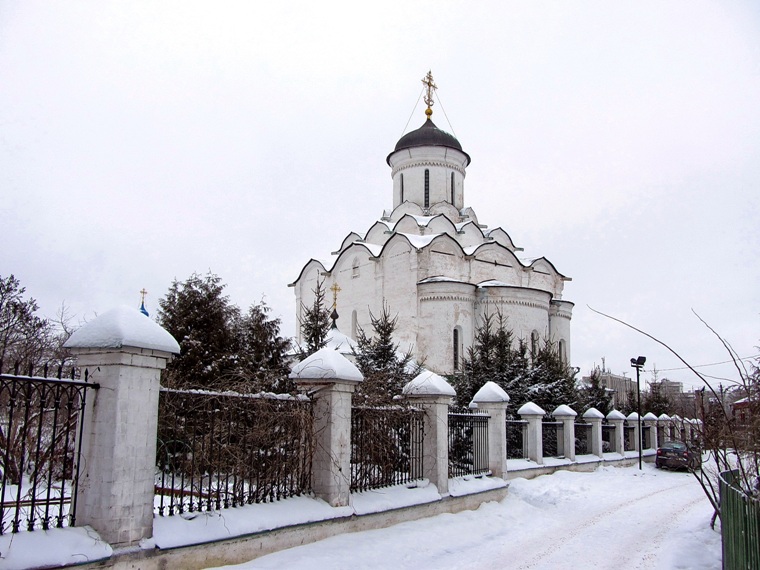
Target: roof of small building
<point>428,135</point>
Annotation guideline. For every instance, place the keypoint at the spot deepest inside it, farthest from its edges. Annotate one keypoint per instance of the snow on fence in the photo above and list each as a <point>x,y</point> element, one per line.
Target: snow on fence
<point>468,443</point>
<point>218,450</point>
<point>40,435</point>
<point>386,446</point>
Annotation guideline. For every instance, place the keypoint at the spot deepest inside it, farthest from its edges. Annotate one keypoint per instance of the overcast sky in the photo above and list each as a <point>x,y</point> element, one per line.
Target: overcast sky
<point>143,141</point>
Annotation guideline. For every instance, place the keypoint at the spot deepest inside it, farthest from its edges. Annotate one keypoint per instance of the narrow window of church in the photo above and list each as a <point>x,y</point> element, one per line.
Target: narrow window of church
<point>562,355</point>
<point>353,325</point>
<point>402,188</point>
<point>452,187</point>
<point>533,344</point>
<point>427,188</point>
<point>456,349</point>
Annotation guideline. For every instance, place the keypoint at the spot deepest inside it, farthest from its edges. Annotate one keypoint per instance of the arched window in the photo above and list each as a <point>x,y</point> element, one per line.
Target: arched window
<point>534,344</point>
<point>427,188</point>
<point>402,188</point>
<point>452,187</point>
<point>456,348</point>
<point>353,324</point>
<point>562,352</point>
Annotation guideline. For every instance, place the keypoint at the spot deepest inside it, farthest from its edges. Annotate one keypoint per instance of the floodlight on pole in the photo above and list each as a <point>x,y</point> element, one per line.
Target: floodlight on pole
<point>638,364</point>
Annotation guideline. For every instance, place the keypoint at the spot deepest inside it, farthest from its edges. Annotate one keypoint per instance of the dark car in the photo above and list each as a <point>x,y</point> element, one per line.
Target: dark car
<point>676,455</point>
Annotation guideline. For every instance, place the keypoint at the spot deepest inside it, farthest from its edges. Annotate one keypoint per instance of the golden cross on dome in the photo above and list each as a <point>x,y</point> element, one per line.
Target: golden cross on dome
<point>335,290</point>
<point>143,292</point>
<point>430,86</point>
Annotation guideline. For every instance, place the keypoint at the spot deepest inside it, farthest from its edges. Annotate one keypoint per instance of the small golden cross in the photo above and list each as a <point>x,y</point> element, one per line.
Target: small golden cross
<point>335,290</point>
<point>430,86</point>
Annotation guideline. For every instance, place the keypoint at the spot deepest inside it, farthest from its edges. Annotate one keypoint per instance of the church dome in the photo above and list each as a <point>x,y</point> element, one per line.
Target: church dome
<point>428,135</point>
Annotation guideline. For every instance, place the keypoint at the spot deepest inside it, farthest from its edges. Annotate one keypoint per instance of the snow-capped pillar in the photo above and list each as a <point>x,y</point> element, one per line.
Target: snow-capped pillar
<point>664,429</point>
<point>330,379</point>
<point>595,417</point>
<point>617,419</point>
<point>493,400</point>
<point>567,416</point>
<point>124,352</point>
<point>650,421</point>
<point>533,415</point>
<point>433,394</point>
<point>633,421</point>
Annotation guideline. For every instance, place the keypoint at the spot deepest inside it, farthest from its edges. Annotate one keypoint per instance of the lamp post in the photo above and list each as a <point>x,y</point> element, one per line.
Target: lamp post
<point>638,364</point>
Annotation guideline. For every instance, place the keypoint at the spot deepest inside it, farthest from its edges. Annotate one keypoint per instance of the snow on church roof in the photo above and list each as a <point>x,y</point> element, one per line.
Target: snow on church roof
<point>419,242</point>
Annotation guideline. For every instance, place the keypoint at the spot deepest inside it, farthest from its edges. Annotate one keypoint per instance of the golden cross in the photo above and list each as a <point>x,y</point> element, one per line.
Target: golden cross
<point>143,292</point>
<point>430,86</point>
<point>335,290</point>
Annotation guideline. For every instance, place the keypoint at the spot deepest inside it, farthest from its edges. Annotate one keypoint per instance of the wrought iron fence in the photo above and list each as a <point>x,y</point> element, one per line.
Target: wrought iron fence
<point>468,443</point>
<point>551,432</point>
<point>629,437</point>
<point>646,437</point>
<point>582,438</point>
<point>219,450</point>
<point>41,421</point>
<point>516,433</point>
<point>386,446</point>
<point>608,438</point>
<point>740,524</point>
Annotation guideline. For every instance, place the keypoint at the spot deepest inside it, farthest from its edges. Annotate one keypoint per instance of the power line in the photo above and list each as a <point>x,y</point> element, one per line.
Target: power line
<point>703,365</point>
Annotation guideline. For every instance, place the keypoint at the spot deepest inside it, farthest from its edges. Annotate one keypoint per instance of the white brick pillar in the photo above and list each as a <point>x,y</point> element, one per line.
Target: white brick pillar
<point>664,422</point>
<point>433,394</point>
<point>123,351</point>
<point>617,419</point>
<point>493,400</point>
<point>533,414</point>
<point>633,420</point>
<point>567,416</point>
<point>595,417</point>
<point>650,421</point>
<point>330,379</point>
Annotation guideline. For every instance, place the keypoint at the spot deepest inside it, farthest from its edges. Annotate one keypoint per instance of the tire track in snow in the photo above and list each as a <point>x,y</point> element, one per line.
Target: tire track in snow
<point>559,542</point>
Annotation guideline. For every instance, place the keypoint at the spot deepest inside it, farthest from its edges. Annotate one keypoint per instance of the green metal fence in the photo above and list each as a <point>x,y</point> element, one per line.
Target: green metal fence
<point>740,525</point>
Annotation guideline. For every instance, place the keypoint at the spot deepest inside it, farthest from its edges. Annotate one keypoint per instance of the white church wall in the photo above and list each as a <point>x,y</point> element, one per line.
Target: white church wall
<point>440,162</point>
<point>526,310</point>
<point>444,305</point>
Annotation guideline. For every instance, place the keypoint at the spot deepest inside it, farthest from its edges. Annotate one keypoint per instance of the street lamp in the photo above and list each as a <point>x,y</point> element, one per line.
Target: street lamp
<point>638,364</point>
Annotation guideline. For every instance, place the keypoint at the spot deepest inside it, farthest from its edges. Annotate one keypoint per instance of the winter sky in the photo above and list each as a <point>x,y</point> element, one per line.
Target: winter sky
<point>143,141</point>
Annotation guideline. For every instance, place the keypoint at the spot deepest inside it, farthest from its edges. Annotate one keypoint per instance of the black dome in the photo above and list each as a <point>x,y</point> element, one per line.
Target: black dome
<point>428,135</point>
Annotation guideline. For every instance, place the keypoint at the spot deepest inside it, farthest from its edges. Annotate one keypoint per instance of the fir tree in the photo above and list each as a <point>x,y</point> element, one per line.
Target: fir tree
<point>202,319</point>
<point>385,369</point>
<point>656,401</point>
<point>551,381</point>
<point>593,394</point>
<point>315,323</point>
<point>262,352</point>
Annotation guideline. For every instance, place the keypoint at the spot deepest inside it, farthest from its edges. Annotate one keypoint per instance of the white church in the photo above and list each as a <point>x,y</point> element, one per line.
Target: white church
<point>436,267</point>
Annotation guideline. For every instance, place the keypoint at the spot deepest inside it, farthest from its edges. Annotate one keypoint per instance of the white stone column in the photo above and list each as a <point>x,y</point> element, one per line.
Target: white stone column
<point>633,420</point>
<point>595,417</point>
<point>650,420</point>
<point>533,414</point>
<point>617,419</point>
<point>664,422</point>
<point>567,416</point>
<point>493,400</point>
<point>123,351</point>
<point>433,394</point>
<point>330,379</point>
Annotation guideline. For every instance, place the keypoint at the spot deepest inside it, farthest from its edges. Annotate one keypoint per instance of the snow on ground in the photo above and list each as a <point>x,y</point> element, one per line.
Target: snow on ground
<point>615,517</point>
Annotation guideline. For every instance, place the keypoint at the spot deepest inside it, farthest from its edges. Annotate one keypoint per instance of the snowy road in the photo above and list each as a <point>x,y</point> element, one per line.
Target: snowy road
<point>614,518</point>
